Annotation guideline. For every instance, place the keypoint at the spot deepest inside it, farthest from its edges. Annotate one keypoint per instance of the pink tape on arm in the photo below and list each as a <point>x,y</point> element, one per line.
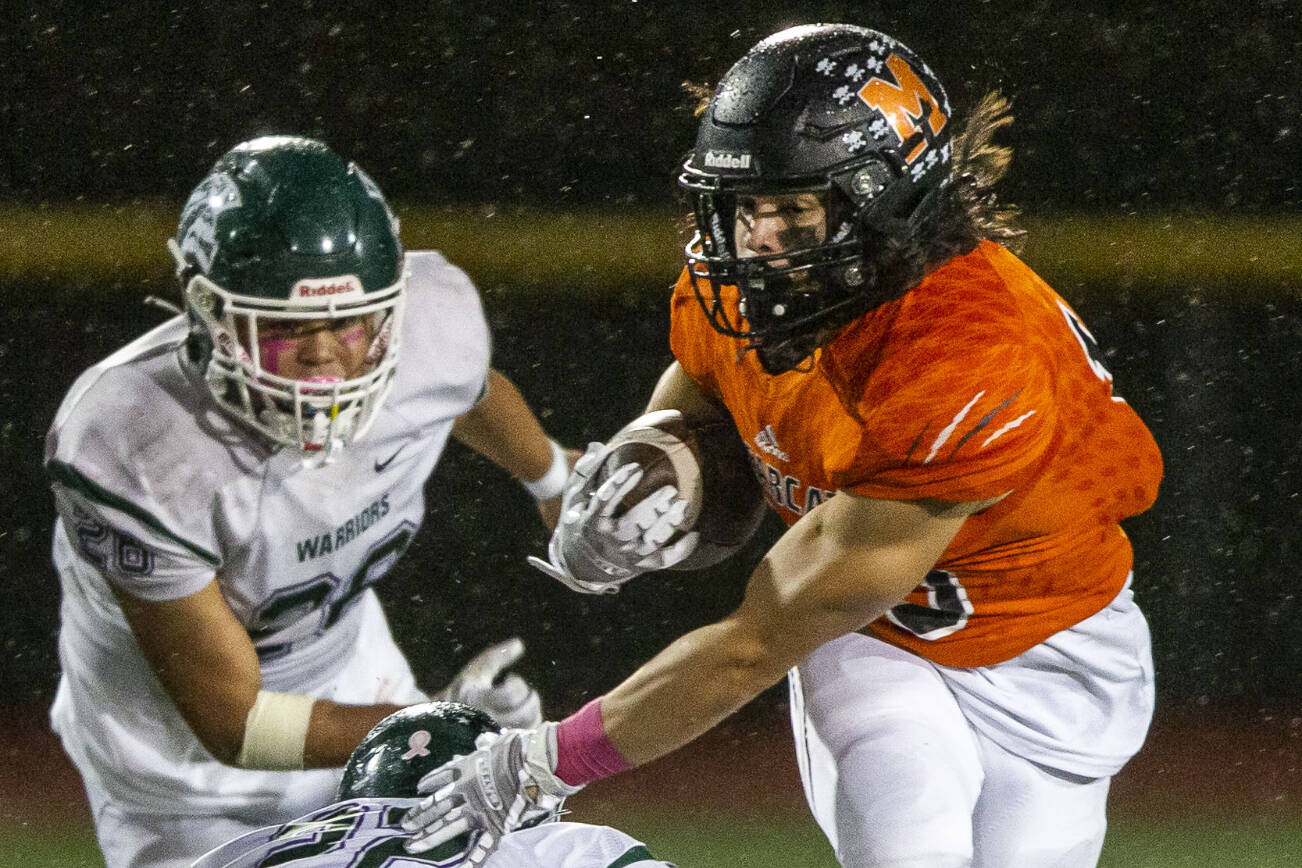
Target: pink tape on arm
<point>583,752</point>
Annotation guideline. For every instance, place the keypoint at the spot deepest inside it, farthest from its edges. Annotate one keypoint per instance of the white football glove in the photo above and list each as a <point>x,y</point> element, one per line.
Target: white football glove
<point>508,782</point>
<point>593,552</point>
<point>485,683</point>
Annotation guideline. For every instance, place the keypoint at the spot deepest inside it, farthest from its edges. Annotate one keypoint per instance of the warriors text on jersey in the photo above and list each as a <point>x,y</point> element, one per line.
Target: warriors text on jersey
<point>977,383</point>
<point>158,491</point>
<point>363,832</point>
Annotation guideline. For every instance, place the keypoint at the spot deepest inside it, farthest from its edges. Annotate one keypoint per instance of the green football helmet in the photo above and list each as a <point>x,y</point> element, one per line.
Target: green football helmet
<point>284,234</point>
<point>407,745</point>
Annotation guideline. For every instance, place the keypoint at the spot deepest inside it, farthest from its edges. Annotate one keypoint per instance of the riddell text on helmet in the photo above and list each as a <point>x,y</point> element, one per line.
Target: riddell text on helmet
<point>314,288</point>
<point>725,160</point>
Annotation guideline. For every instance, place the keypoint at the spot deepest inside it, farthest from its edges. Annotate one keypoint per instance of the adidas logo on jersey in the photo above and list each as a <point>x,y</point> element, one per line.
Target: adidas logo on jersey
<point>767,441</point>
<point>725,160</point>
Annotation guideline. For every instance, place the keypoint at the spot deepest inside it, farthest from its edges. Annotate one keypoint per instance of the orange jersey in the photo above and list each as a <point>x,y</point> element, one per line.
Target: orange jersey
<point>978,382</point>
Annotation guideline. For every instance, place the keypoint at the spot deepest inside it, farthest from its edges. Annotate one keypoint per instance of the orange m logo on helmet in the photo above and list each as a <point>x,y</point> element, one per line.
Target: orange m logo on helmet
<point>903,105</point>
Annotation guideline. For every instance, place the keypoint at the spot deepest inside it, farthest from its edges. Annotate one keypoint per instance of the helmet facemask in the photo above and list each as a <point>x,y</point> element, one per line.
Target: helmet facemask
<point>784,294</point>
<point>316,415</point>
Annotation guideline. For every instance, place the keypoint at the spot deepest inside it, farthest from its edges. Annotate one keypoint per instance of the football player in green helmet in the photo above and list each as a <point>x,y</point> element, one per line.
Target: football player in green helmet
<point>232,483</point>
<point>293,279</point>
<point>382,780</point>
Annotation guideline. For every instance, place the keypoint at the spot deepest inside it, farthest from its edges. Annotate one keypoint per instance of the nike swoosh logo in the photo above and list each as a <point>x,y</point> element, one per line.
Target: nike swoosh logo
<point>380,465</point>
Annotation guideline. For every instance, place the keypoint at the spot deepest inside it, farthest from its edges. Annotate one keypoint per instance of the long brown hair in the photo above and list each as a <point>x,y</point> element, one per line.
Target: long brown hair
<point>970,211</point>
<point>966,210</point>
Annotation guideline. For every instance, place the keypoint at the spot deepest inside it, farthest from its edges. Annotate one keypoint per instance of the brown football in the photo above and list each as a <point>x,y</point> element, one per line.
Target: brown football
<point>709,465</point>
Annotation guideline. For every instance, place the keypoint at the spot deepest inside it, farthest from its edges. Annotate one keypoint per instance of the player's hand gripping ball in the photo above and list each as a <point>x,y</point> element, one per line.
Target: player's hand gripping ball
<point>666,491</point>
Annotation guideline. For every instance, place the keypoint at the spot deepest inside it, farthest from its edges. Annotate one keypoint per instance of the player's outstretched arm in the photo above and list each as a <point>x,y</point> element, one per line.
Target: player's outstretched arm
<point>206,663</point>
<point>503,429</point>
<point>840,567</point>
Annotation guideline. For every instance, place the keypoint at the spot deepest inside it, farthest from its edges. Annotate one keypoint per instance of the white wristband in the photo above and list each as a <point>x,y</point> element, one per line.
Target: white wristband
<point>275,731</point>
<point>540,761</point>
<point>551,483</point>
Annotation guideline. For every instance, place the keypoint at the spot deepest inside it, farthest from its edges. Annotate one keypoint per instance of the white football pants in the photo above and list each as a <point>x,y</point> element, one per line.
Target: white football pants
<point>896,776</point>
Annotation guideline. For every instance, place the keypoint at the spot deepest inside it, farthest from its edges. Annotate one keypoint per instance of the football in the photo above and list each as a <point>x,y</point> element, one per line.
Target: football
<point>707,462</point>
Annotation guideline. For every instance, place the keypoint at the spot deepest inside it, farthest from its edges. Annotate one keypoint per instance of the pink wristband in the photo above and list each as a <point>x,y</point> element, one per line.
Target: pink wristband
<point>583,752</point>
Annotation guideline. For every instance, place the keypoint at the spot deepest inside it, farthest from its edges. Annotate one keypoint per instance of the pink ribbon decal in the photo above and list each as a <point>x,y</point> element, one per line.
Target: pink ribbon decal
<point>418,744</point>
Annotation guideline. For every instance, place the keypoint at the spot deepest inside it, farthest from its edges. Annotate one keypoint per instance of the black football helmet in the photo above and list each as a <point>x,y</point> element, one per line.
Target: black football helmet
<point>843,114</point>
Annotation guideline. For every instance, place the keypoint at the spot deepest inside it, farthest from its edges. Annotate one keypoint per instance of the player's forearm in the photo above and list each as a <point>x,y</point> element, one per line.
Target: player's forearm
<point>706,675</point>
<point>809,589</point>
<point>504,430</point>
<point>334,730</point>
<point>691,686</point>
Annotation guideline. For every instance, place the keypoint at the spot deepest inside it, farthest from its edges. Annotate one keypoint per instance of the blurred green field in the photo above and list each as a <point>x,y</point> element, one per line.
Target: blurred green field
<point>640,250</point>
<point>721,842</point>
<point>1212,787</point>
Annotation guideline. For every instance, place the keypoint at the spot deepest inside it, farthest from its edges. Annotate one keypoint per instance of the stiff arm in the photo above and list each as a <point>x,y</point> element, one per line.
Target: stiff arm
<point>841,566</point>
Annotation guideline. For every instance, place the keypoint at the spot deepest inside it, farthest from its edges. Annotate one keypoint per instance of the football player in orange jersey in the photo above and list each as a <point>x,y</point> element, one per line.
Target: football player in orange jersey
<point>968,667</point>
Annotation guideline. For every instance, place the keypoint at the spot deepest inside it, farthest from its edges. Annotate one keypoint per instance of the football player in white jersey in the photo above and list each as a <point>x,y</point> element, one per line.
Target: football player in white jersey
<point>379,785</point>
<point>230,485</point>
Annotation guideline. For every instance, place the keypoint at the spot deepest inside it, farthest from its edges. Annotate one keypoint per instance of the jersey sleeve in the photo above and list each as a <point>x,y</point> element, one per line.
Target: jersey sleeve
<point>954,426</point>
<point>446,342</point>
<point>124,543</point>
<point>345,834</point>
<point>246,851</point>
<point>134,482</point>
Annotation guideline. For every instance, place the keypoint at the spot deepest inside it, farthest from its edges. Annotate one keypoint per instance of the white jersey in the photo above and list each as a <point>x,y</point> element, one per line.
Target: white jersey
<point>158,492</point>
<point>367,832</point>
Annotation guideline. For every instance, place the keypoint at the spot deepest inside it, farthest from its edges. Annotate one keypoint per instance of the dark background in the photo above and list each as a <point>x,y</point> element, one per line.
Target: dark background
<point>1120,105</point>
<point>1218,377</point>
<point>1121,108</point>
